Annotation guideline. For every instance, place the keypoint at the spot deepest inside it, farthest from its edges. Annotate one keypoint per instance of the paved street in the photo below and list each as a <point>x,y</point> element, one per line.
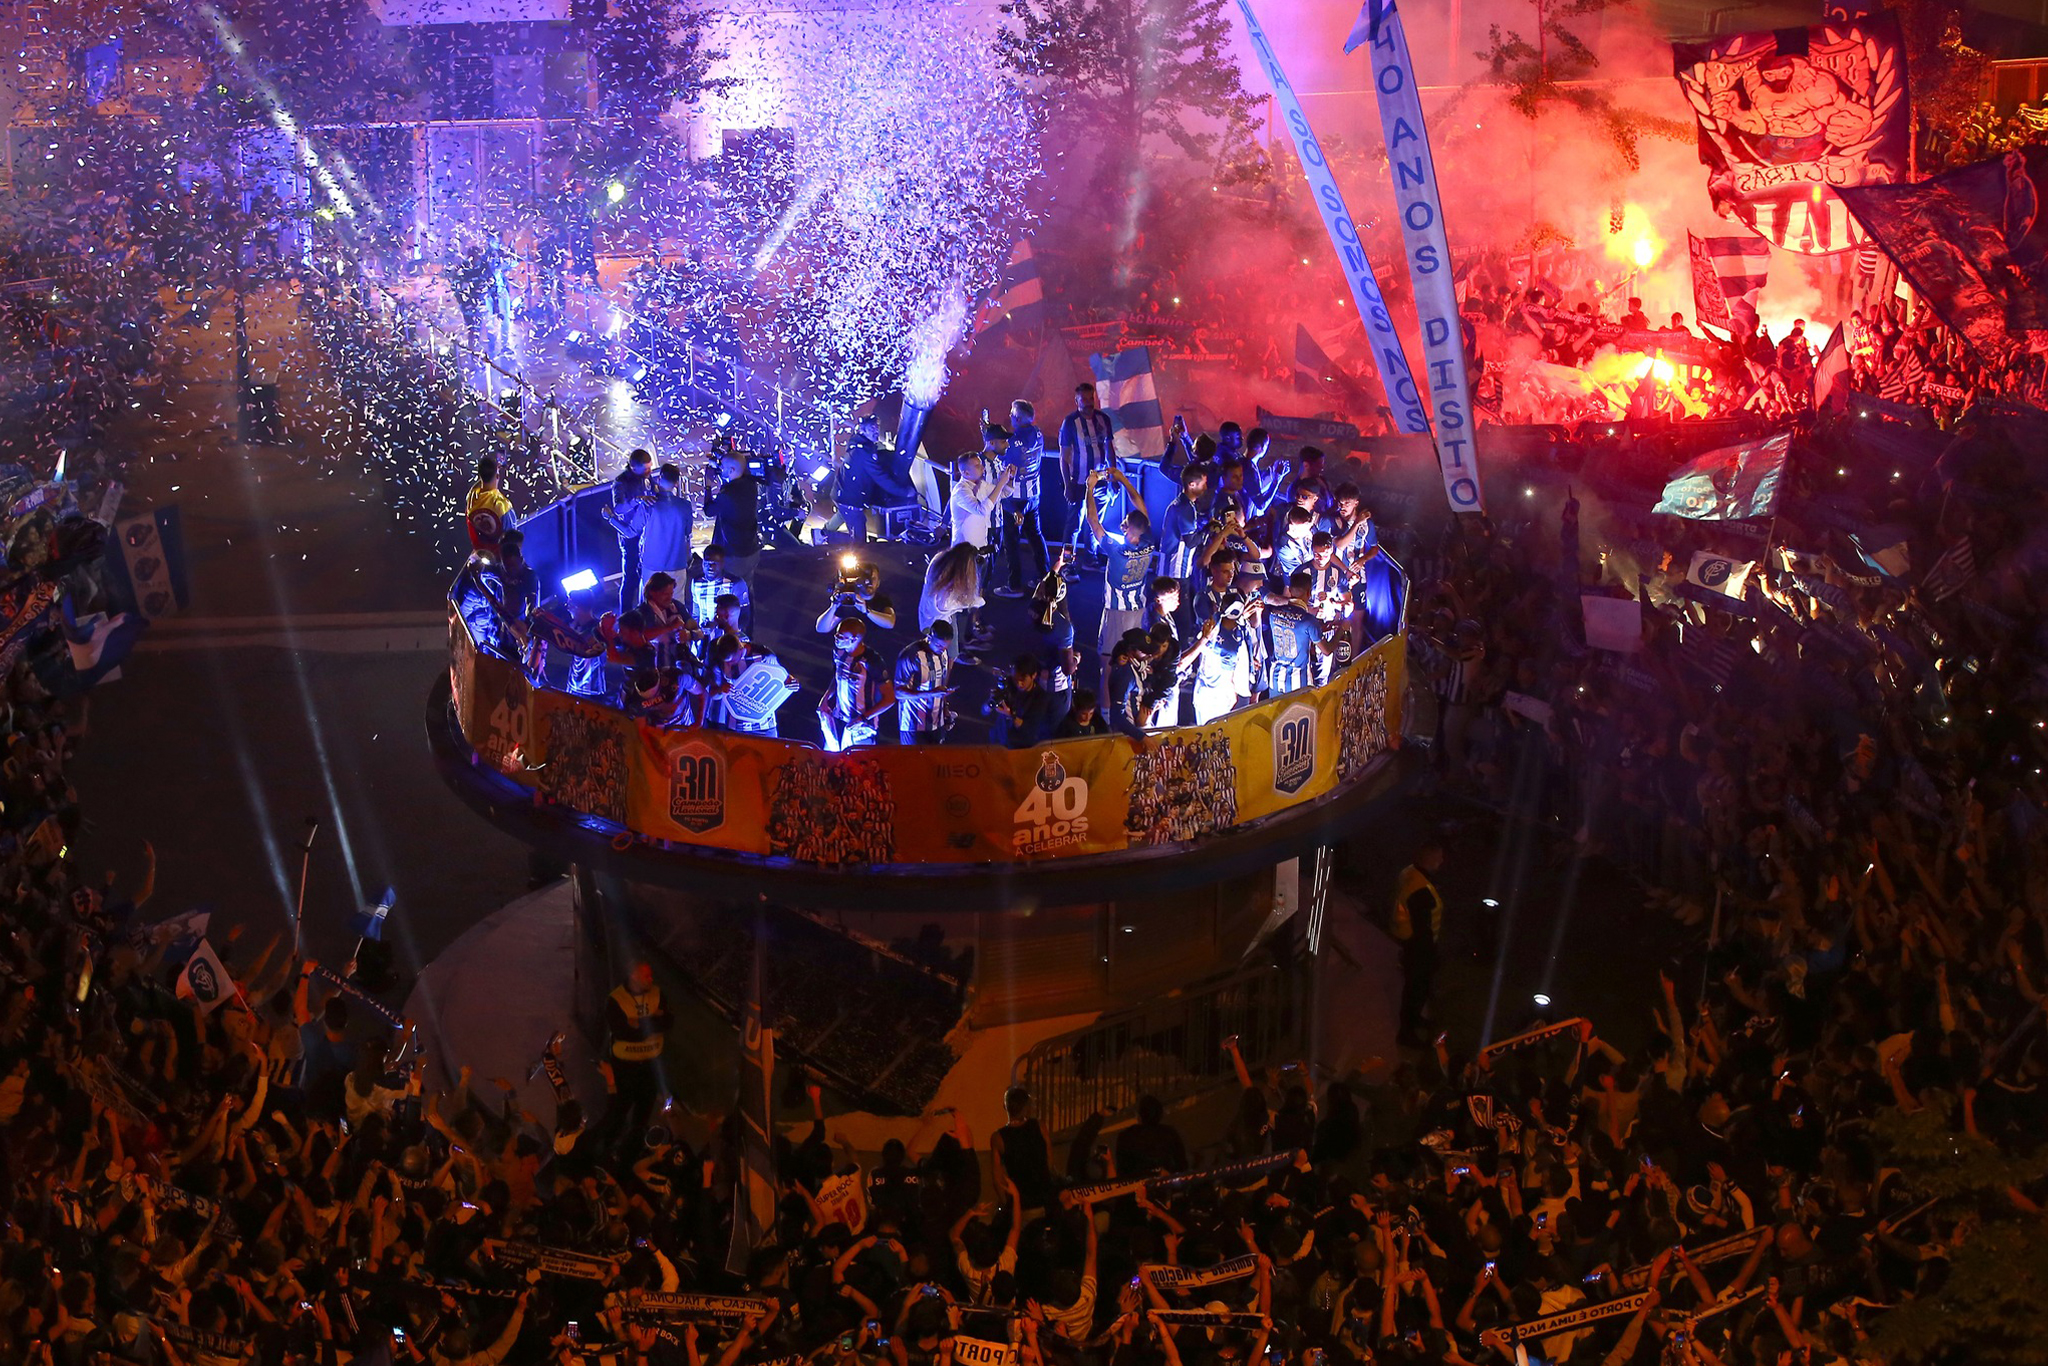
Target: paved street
<point>294,688</point>
<point>294,685</point>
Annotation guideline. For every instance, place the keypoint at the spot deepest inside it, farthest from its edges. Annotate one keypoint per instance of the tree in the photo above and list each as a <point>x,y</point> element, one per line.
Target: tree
<point>1116,74</point>
<point>650,54</point>
<point>1552,70</point>
<point>1988,1308</point>
<point>1948,80</point>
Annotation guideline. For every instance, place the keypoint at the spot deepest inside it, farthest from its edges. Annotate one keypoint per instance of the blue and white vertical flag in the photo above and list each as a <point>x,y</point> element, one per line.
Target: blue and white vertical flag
<point>1403,399</point>
<point>1125,389</point>
<point>1429,250</point>
<point>1021,303</point>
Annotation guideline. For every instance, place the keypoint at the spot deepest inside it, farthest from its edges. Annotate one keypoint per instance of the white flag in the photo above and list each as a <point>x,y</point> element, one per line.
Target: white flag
<point>1719,573</point>
<point>1613,623</point>
<point>204,979</point>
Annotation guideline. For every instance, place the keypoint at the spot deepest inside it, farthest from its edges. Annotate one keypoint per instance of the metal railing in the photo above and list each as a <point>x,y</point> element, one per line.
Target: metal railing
<point>1171,1048</point>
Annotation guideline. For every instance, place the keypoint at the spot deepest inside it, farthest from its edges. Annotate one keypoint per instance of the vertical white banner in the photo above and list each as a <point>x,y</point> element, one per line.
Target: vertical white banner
<point>1429,251</point>
<point>1402,396</point>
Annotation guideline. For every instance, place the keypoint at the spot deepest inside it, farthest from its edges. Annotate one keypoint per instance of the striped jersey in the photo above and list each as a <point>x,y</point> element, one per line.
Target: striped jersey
<point>1329,590</point>
<point>1126,569</point>
<point>1025,450</point>
<point>705,590</point>
<point>1087,443</point>
<point>1291,635</point>
<point>1180,538</point>
<point>921,669</point>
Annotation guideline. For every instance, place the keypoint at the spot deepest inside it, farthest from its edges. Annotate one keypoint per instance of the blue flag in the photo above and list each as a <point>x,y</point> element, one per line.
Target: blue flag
<point>1022,301</point>
<point>1314,371</point>
<point>1730,483</point>
<point>368,923</point>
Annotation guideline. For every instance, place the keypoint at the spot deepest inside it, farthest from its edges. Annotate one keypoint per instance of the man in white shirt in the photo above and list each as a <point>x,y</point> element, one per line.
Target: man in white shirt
<point>975,497</point>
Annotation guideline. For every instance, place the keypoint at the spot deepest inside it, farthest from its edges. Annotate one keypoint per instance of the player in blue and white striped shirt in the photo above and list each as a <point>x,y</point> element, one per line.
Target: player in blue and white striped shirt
<point>1127,562</point>
<point>1293,637</point>
<point>1181,538</point>
<point>1087,445</point>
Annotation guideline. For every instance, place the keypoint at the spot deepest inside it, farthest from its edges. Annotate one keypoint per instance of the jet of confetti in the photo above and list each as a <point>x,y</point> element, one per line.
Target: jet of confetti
<point>914,156</point>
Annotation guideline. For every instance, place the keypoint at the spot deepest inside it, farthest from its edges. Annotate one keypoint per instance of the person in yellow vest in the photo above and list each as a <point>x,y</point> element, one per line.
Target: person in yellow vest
<point>1418,927</point>
<point>638,1022</point>
<point>488,513</point>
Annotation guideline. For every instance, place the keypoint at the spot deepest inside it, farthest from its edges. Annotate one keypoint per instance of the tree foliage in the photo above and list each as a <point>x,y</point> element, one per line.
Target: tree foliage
<point>1121,73</point>
<point>1553,68</point>
<point>650,54</point>
<point>1947,73</point>
<point>1989,1307</point>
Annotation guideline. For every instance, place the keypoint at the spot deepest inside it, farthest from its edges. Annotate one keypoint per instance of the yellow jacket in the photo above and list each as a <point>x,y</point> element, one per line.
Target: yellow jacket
<point>1411,881</point>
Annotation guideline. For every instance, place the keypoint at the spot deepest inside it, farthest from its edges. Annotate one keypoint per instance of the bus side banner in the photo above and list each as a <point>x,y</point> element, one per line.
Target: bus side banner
<point>929,803</point>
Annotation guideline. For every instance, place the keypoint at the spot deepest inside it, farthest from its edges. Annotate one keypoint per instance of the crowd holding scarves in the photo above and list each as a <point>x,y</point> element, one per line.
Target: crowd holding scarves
<point>1835,778</point>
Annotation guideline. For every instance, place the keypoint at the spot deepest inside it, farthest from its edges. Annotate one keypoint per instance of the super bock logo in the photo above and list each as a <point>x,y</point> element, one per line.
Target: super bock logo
<point>696,790</point>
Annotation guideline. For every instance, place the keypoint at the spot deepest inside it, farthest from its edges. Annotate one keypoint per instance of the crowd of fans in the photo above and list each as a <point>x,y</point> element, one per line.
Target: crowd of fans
<point>1845,774</point>
<point>1836,778</point>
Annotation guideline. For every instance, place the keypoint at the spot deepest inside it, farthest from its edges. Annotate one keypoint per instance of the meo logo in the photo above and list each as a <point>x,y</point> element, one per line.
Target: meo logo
<point>1294,748</point>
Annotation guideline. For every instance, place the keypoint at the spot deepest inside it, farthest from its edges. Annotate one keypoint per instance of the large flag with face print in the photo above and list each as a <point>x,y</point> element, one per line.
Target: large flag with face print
<point>1787,118</point>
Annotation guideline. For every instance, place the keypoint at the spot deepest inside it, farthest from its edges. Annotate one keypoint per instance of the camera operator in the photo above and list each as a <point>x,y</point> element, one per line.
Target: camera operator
<point>1017,708</point>
<point>856,593</point>
<point>862,690</point>
<point>924,672</point>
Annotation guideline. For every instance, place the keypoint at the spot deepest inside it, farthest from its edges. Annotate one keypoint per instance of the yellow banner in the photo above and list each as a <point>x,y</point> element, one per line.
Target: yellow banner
<point>928,803</point>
